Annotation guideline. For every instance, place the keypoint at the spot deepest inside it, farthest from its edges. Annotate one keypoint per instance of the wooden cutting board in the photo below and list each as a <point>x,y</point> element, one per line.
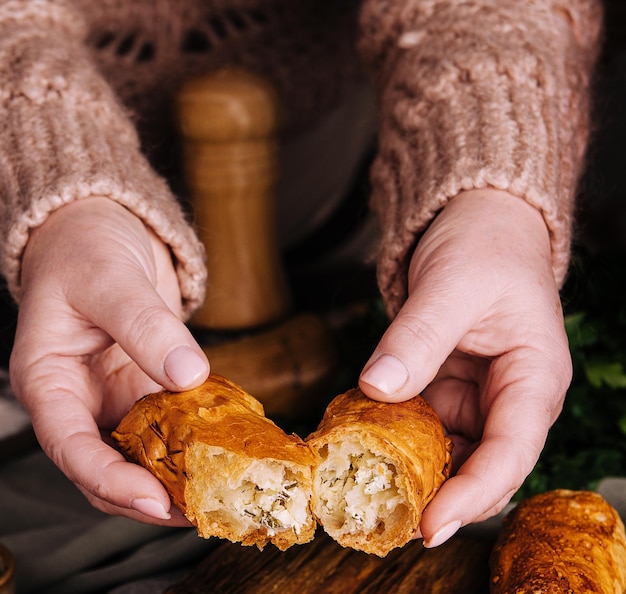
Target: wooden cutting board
<point>323,567</point>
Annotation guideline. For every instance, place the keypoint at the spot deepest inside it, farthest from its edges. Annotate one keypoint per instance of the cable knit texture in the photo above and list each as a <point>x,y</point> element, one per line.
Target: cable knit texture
<point>471,93</point>
<point>475,94</point>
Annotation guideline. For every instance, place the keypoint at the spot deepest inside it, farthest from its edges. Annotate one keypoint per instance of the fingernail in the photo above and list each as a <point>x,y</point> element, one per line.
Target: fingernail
<point>184,366</point>
<point>443,534</point>
<point>150,507</point>
<point>387,374</point>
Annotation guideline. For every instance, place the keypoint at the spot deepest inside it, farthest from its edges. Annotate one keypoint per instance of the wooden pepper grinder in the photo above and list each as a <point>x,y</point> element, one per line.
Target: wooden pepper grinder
<point>228,121</point>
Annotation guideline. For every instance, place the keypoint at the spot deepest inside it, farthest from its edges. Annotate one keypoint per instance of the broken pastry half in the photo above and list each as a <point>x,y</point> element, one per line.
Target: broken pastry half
<point>230,469</point>
<point>379,466</point>
<point>561,541</point>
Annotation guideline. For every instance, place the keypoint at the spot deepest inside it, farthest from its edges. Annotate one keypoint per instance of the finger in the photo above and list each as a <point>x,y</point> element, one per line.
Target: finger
<point>176,519</point>
<point>70,437</point>
<point>473,492</point>
<point>62,397</point>
<point>462,490</point>
<point>152,335</point>
<point>416,343</point>
<point>514,435</point>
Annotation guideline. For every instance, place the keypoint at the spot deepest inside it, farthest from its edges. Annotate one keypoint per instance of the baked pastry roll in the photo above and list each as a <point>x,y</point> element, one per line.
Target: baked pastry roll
<point>379,465</point>
<point>560,542</point>
<point>230,469</point>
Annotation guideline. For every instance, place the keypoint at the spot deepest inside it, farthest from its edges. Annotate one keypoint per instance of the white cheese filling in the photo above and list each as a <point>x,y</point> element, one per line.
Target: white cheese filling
<point>263,494</point>
<point>357,488</point>
<point>271,497</point>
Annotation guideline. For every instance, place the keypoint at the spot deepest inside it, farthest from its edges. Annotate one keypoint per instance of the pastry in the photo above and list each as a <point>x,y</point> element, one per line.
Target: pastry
<point>560,542</point>
<point>230,469</point>
<point>379,465</point>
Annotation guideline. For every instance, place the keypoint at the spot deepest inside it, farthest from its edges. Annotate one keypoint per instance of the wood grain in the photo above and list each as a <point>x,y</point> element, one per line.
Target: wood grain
<point>228,121</point>
<point>323,567</point>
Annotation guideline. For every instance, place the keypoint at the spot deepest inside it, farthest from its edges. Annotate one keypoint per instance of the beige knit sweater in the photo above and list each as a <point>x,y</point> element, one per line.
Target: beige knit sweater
<point>472,93</point>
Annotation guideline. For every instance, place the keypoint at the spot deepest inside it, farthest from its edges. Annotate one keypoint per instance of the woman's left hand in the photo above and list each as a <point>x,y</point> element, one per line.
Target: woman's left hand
<point>481,337</point>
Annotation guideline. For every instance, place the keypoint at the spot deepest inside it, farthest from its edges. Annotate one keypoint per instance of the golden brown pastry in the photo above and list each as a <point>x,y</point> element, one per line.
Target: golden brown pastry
<point>380,464</point>
<point>231,470</point>
<point>560,542</point>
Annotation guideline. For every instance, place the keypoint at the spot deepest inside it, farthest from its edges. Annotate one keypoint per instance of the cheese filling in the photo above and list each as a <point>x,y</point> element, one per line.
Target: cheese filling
<point>271,498</point>
<point>263,494</point>
<point>357,488</point>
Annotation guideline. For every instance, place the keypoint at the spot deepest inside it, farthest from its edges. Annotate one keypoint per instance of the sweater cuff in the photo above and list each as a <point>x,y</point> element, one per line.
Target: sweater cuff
<point>475,96</point>
<point>65,137</point>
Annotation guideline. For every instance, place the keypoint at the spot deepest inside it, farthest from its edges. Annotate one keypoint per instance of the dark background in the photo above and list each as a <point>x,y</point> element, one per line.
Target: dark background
<point>601,220</point>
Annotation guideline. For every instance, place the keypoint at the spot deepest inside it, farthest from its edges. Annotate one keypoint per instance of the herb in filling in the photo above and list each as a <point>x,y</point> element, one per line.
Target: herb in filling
<point>358,490</point>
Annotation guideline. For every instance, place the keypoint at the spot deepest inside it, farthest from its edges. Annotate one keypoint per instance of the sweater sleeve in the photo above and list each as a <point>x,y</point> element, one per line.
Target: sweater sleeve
<point>476,94</point>
<point>65,137</point>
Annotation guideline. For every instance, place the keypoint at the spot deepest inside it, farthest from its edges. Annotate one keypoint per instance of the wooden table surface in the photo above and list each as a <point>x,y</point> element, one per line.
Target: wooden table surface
<point>323,567</point>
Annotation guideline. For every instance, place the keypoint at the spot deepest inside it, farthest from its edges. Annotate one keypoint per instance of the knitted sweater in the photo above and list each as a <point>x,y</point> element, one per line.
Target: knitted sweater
<point>471,94</point>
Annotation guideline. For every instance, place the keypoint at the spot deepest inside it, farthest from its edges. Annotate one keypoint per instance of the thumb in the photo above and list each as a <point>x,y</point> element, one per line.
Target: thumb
<point>152,335</point>
<point>415,345</point>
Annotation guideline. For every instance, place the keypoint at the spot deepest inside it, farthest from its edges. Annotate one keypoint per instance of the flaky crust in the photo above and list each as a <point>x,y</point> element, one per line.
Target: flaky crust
<point>408,433</point>
<point>560,542</point>
<point>161,429</point>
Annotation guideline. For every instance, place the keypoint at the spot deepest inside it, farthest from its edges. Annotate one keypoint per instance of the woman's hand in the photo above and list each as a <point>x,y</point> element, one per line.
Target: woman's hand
<point>481,336</point>
<point>99,326</point>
